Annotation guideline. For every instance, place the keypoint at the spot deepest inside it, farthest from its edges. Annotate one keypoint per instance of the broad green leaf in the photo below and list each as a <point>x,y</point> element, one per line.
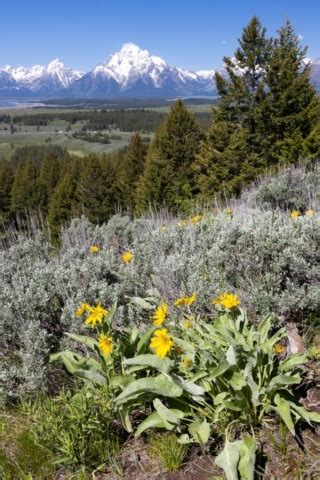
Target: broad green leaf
<point>237,381</point>
<point>218,399</point>
<point>125,418</point>
<point>142,303</point>
<point>155,421</point>
<point>134,335</point>
<point>309,416</point>
<point>247,458</point>
<point>187,347</point>
<point>167,414</point>
<point>121,381</point>
<point>144,341</point>
<point>264,328</point>
<point>184,439</point>
<point>231,355</point>
<point>72,361</point>
<point>293,361</point>
<point>200,430</point>
<point>268,344</point>
<point>112,313</point>
<point>160,385</point>
<point>228,459</point>
<point>235,404</point>
<point>84,339</point>
<point>93,376</point>
<point>282,407</point>
<point>189,387</point>
<point>150,360</point>
<point>284,380</point>
<point>219,370</point>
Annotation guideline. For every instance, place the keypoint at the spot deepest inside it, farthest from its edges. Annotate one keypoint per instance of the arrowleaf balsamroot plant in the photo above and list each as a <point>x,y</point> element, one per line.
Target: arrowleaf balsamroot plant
<point>195,373</point>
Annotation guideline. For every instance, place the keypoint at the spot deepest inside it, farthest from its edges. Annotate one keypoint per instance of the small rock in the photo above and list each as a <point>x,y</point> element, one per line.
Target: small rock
<point>294,339</point>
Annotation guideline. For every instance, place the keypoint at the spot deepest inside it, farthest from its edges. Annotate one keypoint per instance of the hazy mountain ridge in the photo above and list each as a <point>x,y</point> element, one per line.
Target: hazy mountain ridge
<point>131,72</point>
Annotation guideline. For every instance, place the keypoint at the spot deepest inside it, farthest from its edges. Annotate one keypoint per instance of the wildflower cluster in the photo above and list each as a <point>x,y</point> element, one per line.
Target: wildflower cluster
<point>195,372</point>
<point>310,212</point>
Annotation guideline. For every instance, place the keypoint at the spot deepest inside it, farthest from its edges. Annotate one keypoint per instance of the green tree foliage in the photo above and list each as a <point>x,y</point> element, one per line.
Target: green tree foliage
<point>64,203</point>
<point>130,169</point>
<point>91,190</point>
<point>6,182</point>
<point>291,110</point>
<point>49,175</point>
<point>24,188</point>
<point>168,178</point>
<point>268,112</point>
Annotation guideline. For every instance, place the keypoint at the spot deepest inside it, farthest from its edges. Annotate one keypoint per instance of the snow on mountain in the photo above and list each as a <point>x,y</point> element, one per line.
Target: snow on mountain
<point>131,72</point>
<point>135,72</point>
<point>7,82</point>
<point>43,79</point>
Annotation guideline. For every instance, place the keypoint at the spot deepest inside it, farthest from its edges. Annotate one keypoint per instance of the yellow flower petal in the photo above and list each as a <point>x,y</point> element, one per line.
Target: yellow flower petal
<point>105,344</point>
<point>84,307</point>
<point>227,300</point>
<point>295,214</point>
<point>185,300</point>
<point>97,315</point>
<point>127,257</point>
<point>94,249</point>
<point>161,343</point>
<point>160,314</point>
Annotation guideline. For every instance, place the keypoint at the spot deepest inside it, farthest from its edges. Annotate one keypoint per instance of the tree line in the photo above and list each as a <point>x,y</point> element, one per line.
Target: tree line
<point>268,115</point>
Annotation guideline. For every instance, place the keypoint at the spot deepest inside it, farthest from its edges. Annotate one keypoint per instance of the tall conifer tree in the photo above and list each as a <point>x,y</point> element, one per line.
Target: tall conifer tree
<point>291,112</point>
<point>168,178</point>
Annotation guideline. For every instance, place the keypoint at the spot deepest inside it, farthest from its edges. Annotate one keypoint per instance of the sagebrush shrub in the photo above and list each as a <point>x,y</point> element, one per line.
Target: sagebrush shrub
<point>270,259</point>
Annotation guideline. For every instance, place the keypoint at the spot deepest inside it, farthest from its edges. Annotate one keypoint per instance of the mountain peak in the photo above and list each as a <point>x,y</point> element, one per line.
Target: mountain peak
<point>55,64</point>
<point>131,47</point>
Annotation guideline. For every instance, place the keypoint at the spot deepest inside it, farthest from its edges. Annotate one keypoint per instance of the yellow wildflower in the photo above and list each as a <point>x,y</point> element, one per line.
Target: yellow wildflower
<point>185,300</point>
<point>182,223</point>
<point>161,342</point>
<point>84,307</point>
<point>187,323</point>
<point>105,344</point>
<point>227,300</point>
<point>295,214</point>
<point>196,219</point>
<point>127,257</point>
<point>160,314</point>
<point>94,249</point>
<point>186,362</point>
<point>96,315</point>
<point>229,211</point>
<point>310,212</point>
<point>278,348</point>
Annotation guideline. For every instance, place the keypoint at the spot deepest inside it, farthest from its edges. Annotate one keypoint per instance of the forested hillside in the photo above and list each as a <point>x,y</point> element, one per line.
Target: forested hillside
<point>268,116</point>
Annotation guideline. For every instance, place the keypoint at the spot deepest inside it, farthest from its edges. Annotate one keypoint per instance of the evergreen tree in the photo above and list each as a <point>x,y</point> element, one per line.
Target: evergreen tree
<point>64,202</point>
<point>168,178</point>
<point>110,167</point>
<point>49,175</point>
<point>6,182</point>
<point>130,169</point>
<point>24,188</point>
<point>91,190</point>
<point>291,111</point>
<point>243,92</point>
<point>232,152</point>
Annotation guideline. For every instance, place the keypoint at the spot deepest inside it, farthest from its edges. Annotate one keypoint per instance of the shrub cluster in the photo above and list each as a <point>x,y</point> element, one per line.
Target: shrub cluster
<point>269,258</point>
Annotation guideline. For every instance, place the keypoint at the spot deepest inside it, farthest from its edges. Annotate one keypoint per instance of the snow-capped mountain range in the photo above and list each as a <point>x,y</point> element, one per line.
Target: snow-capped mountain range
<point>131,72</point>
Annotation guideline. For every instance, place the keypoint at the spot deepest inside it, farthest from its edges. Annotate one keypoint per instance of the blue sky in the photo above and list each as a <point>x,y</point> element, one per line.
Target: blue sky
<point>193,34</point>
